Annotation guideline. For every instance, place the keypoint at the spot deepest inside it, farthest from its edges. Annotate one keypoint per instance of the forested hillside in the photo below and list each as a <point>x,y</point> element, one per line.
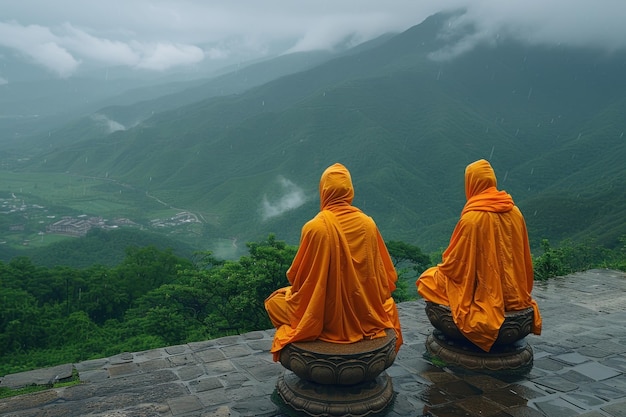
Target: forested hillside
<point>405,118</point>
<point>154,298</point>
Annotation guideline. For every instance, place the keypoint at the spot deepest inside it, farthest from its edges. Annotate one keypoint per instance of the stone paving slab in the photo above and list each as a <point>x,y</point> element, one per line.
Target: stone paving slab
<point>579,370</point>
<point>38,377</point>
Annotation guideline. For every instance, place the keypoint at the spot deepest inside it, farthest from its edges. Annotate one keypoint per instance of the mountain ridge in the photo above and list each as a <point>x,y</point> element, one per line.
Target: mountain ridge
<point>404,124</point>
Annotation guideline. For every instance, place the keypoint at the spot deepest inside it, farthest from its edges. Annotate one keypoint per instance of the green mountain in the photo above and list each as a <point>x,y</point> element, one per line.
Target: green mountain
<point>117,98</point>
<point>405,122</point>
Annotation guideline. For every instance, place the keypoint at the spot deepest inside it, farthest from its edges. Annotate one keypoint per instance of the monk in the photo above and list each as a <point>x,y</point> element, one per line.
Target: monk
<point>487,267</point>
<point>341,278</point>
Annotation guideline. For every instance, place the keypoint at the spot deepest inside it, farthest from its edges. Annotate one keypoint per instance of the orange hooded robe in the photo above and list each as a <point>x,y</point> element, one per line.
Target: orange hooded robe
<point>341,278</point>
<point>487,268</point>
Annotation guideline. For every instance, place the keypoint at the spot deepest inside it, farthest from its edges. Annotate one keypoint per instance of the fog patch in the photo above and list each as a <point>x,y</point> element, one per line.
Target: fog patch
<point>227,249</point>
<point>3,81</point>
<point>110,125</point>
<point>288,197</point>
<point>533,22</point>
<point>461,34</point>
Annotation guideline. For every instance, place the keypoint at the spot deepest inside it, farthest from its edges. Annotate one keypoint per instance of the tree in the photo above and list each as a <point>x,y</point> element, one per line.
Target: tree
<point>20,327</point>
<point>105,297</point>
<point>147,268</point>
<point>409,262</point>
<point>403,253</point>
<point>268,263</point>
<point>550,263</point>
<point>205,260</point>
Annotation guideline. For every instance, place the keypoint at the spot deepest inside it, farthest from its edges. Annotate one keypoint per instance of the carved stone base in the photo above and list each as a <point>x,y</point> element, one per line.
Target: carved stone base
<point>365,399</point>
<point>516,326</point>
<point>514,358</point>
<point>340,364</point>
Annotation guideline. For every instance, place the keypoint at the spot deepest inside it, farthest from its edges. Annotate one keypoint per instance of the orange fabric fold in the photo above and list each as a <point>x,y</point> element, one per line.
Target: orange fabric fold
<point>341,278</point>
<point>487,268</point>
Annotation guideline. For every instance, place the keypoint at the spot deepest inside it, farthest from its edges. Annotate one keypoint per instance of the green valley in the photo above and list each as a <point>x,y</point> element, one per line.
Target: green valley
<point>401,114</point>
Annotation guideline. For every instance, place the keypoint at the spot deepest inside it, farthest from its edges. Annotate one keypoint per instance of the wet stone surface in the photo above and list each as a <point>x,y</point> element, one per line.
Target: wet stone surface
<point>579,370</point>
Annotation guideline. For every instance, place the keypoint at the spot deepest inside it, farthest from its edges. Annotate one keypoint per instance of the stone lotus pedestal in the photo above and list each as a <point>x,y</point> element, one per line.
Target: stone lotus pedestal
<point>510,354</point>
<point>333,379</point>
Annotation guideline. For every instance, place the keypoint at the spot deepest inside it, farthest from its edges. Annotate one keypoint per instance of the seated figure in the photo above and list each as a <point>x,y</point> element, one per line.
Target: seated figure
<point>487,268</point>
<point>341,278</point>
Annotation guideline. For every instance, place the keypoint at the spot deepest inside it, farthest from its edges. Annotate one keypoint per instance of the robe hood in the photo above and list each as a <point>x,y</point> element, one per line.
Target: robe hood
<point>336,186</point>
<point>479,176</point>
<point>481,192</point>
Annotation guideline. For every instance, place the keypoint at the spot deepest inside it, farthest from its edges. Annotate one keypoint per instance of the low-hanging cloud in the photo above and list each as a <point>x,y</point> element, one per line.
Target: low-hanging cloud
<point>110,125</point>
<point>558,22</point>
<point>63,49</point>
<point>290,197</point>
<point>63,35</point>
<point>163,56</point>
<point>112,52</point>
<point>39,44</point>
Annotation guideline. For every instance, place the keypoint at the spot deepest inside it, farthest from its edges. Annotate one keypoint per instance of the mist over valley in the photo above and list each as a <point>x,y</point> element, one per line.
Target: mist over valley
<point>241,151</point>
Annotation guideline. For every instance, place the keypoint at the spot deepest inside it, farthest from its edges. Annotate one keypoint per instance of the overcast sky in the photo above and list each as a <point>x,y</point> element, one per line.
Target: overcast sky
<point>63,35</point>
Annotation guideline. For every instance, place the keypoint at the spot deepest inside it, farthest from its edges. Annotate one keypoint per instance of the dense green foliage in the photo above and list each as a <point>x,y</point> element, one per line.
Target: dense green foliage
<point>572,257</point>
<point>66,309</point>
<point>97,247</point>
<point>409,262</point>
<point>153,298</point>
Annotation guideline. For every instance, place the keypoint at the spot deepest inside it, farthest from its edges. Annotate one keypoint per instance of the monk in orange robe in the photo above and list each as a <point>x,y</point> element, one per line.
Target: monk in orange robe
<point>341,278</point>
<point>487,268</point>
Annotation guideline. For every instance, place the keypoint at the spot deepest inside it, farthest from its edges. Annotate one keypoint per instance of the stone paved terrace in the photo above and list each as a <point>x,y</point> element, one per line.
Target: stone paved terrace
<point>579,370</point>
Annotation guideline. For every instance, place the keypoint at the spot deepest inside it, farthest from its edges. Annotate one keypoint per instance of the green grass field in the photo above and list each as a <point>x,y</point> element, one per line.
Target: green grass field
<point>88,195</point>
<point>32,201</point>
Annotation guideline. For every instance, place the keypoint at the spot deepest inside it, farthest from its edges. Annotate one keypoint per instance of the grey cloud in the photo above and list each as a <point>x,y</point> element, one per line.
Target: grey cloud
<point>63,49</point>
<point>39,44</point>
<point>145,34</point>
<point>291,197</point>
<point>580,23</point>
<point>163,56</point>
<point>105,50</point>
<point>110,125</point>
